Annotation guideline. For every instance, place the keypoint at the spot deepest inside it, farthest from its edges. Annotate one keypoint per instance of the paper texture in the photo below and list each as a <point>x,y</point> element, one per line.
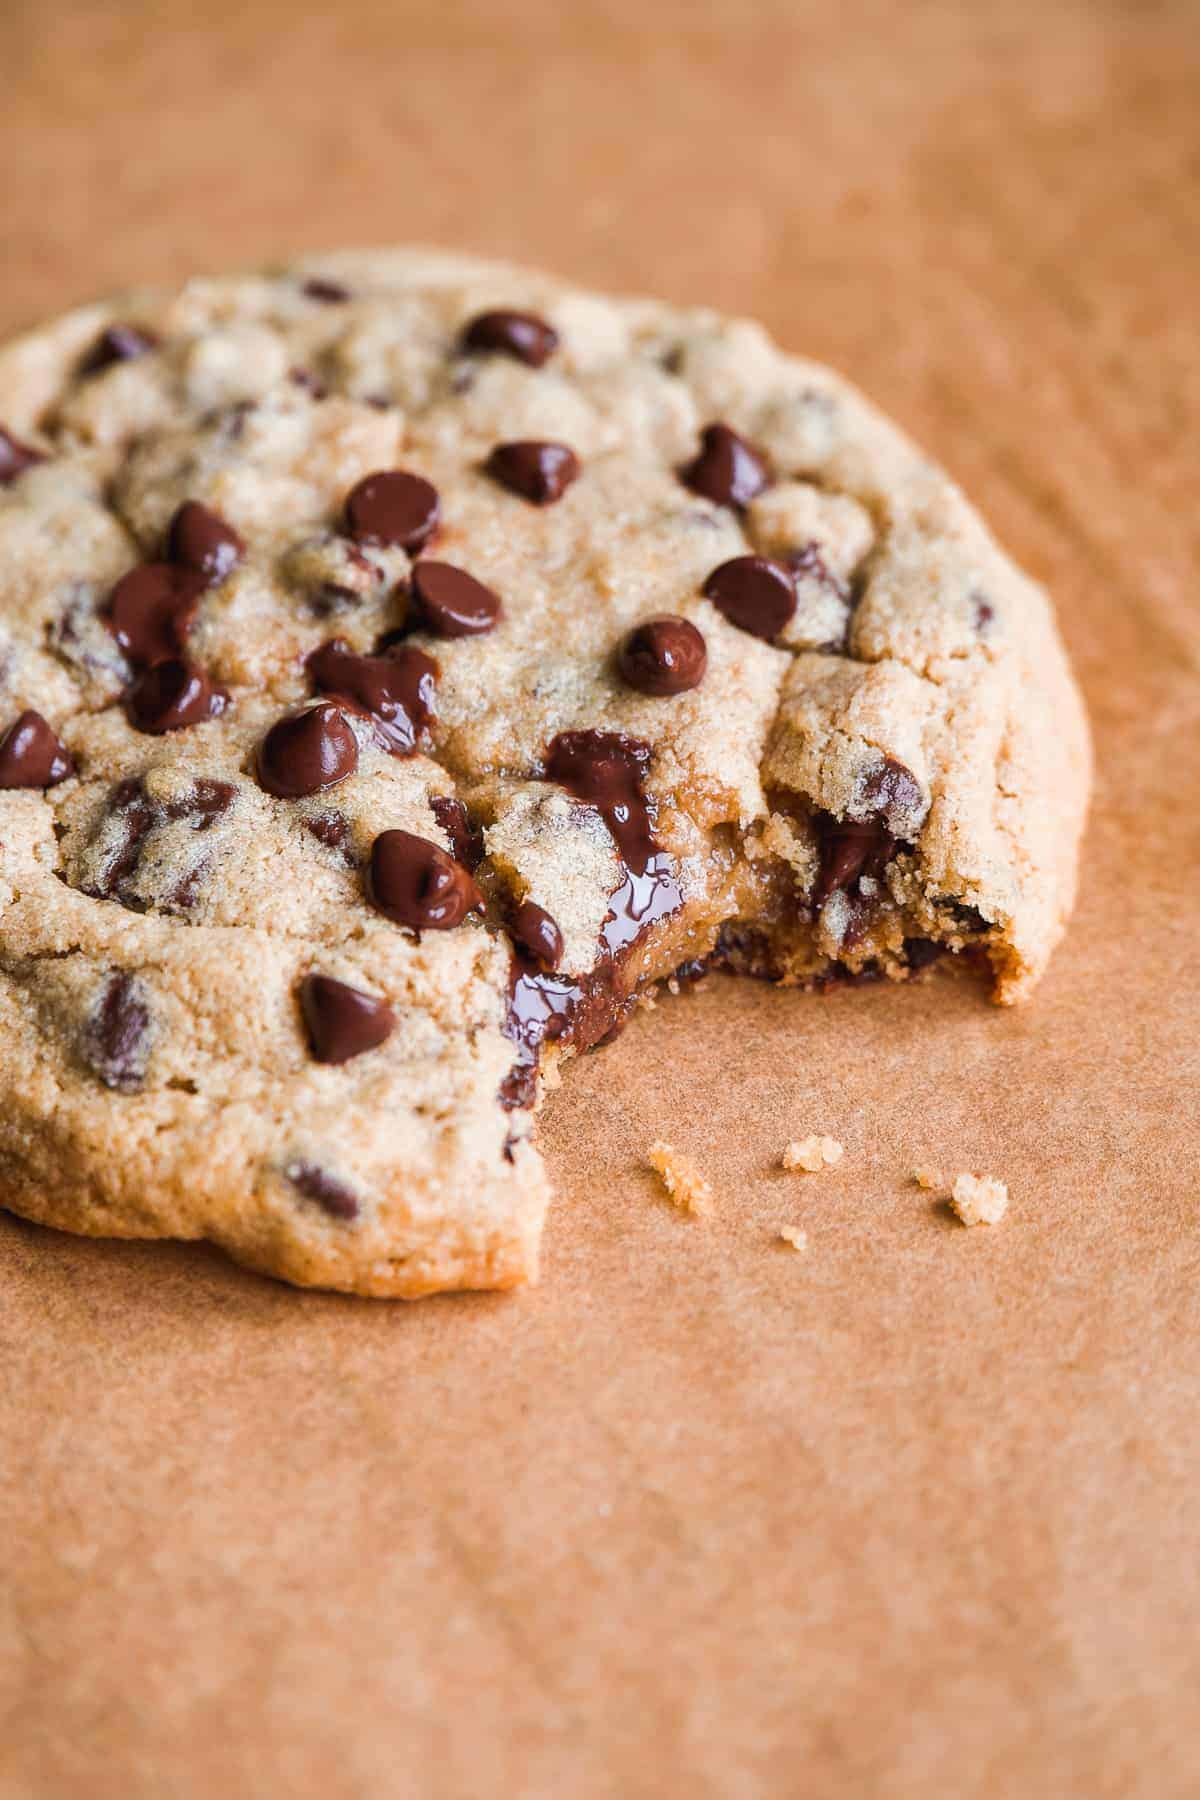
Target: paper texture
<point>912,1511</point>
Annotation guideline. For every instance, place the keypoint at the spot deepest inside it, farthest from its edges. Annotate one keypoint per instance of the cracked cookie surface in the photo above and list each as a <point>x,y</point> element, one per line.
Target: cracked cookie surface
<point>407,660</point>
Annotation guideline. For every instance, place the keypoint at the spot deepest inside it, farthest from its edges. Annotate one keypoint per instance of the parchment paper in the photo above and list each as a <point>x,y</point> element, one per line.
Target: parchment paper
<point>910,1514</point>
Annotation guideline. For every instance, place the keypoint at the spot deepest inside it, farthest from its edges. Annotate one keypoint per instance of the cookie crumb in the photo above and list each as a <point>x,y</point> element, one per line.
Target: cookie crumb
<point>685,1185</point>
<point>792,1234</point>
<point>979,1199</point>
<point>927,1177</point>
<point>812,1153</point>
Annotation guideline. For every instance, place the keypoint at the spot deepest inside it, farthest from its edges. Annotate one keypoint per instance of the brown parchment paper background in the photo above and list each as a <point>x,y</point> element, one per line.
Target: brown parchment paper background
<point>914,1514</point>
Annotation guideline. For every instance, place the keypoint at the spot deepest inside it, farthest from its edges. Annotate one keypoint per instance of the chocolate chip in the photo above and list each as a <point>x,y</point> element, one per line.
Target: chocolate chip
<point>729,471</point>
<point>393,507</point>
<point>202,541</point>
<point>536,933</point>
<point>664,656</point>
<point>984,613</point>
<point>328,293</point>
<point>116,1035</point>
<point>173,695</point>
<point>151,611</point>
<point>894,793</point>
<point>754,593</point>
<point>518,334</point>
<point>32,756</point>
<point>342,1021</point>
<point>307,751</point>
<point>333,830</point>
<point>117,344</point>
<point>395,692</point>
<point>466,838</point>
<point>450,602</point>
<point>415,883</point>
<point>538,472</point>
<point>15,457</point>
<point>850,848</point>
<point>315,1183</point>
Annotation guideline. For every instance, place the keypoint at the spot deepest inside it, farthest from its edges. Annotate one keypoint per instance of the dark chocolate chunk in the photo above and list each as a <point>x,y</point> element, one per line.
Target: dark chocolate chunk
<point>173,695</point>
<point>753,593</point>
<point>202,541</point>
<point>728,470</point>
<point>117,344</point>
<point>451,603</point>
<point>393,507</point>
<point>317,1184</point>
<point>15,457</point>
<point>518,334</point>
<point>307,751</point>
<point>32,755</point>
<point>116,1035</point>
<point>342,1021</point>
<point>466,838</point>
<point>416,883</point>
<point>664,656</point>
<point>537,935</point>
<point>538,472</point>
<point>151,611</point>
<point>396,692</point>
<point>327,292</point>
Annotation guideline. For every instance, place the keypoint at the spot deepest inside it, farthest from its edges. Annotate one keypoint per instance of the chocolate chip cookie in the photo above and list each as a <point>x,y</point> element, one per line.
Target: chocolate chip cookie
<point>405,663</point>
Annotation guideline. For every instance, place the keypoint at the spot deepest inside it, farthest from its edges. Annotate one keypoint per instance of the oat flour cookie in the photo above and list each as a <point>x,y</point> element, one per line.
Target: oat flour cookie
<point>404,661</point>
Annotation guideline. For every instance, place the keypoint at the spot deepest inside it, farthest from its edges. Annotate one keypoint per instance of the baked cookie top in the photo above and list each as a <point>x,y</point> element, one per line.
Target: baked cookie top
<point>404,661</point>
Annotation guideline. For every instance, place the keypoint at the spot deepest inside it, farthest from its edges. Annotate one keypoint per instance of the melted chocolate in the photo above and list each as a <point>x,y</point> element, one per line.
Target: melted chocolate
<point>396,692</point>
<point>607,771</point>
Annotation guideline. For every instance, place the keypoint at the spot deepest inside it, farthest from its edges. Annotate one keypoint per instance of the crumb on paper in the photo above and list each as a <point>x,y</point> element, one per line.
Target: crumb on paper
<point>926,1176</point>
<point>792,1234</point>
<point>684,1183</point>
<point>979,1199</point>
<point>813,1153</point>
